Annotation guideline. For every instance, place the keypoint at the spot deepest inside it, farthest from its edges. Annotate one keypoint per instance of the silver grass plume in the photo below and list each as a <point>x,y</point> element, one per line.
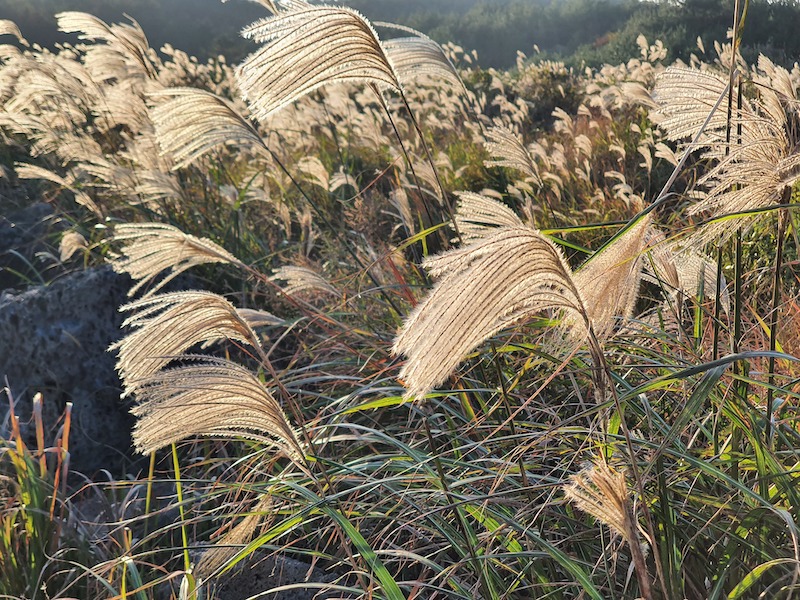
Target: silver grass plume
<point>71,242</point>
<point>485,287</point>
<point>603,493</point>
<point>193,122</point>
<point>609,281</point>
<point>29,171</point>
<point>127,41</point>
<point>312,166</point>
<point>685,97</point>
<point>151,248</point>
<point>757,169</point>
<point>8,27</point>
<point>507,150</point>
<point>478,216</point>
<point>301,279</point>
<point>505,277</point>
<point>211,397</point>
<point>259,318</point>
<point>306,47</point>
<point>226,547</point>
<point>417,55</point>
<point>684,270</point>
<point>167,325</point>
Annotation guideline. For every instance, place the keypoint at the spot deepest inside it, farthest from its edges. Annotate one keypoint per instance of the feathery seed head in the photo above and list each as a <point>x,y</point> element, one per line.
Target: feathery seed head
<point>756,168</point>
<point>489,285</point>
<point>478,216</point>
<point>508,151</point>
<point>8,27</point>
<point>151,248</point>
<point>211,397</point>
<point>193,122</point>
<point>306,47</point>
<point>167,325</point>
<point>603,493</point>
<point>302,279</point>
<point>609,281</point>
<point>71,242</point>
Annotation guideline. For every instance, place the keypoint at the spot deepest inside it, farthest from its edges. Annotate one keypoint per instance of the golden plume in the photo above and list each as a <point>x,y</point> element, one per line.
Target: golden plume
<point>151,248</point>
<point>166,325</point>
<point>212,397</point>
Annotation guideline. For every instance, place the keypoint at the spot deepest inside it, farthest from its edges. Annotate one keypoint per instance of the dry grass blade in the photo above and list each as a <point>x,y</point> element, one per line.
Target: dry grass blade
<point>167,325</point>
<point>194,121</point>
<point>306,48</point>
<point>226,546</point>
<point>301,279</point>
<point>508,151</point>
<point>212,397</point>
<point>487,286</point>
<point>478,216</point>
<point>151,248</point>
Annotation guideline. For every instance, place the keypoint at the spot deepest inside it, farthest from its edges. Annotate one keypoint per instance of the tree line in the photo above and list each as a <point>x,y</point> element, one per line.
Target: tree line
<point>579,32</point>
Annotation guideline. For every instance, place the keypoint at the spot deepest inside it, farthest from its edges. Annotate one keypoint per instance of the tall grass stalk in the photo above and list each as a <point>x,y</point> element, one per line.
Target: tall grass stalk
<point>773,322</point>
<point>176,467</point>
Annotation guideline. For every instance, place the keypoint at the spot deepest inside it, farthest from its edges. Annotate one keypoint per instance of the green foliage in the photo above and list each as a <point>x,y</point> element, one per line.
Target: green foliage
<point>37,546</point>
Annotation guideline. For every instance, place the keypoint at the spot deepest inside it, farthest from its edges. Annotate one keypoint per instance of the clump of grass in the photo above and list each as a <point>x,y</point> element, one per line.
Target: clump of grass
<point>576,317</point>
<point>37,546</point>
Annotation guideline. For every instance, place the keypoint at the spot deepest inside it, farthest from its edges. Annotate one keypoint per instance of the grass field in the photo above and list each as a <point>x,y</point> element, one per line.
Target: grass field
<point>463,333</point>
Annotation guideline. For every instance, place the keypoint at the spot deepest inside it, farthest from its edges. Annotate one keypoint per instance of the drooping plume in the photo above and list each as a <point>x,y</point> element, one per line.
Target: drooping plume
<point>151,248</point>
<point>505,277</point>
<point>212,397</point>
<point>193,122</point>
<point>485,287</point>
<point>167,325</point>
<point>609,281</point>
<point>306,47</point>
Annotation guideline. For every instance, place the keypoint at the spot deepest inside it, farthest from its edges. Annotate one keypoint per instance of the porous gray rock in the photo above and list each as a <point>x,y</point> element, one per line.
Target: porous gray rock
<point>269,573</point>
<point>54,341</point>
<point>28,245</point>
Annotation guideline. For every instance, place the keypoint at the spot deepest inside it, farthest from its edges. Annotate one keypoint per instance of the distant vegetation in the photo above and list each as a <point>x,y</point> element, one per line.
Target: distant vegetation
<point>576,31</point>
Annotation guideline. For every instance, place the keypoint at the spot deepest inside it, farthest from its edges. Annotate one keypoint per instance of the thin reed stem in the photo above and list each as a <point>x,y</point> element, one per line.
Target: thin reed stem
<point>403,149</point>
<point>605,379</point>
<point>468,535</point>
<point>773,322</point>
<point>187,561</point>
